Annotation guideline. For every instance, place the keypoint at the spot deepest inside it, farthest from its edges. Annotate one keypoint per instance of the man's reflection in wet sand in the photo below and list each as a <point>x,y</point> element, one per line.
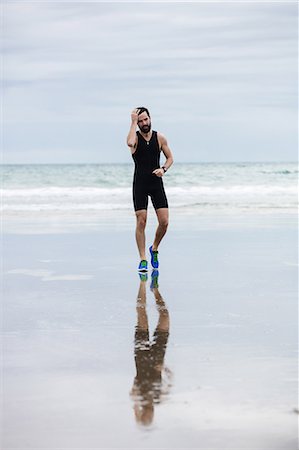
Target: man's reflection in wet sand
<point>149,384</point>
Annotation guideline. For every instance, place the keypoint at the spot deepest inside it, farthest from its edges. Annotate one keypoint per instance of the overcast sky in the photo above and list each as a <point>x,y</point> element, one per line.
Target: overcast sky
<point>220,79</point>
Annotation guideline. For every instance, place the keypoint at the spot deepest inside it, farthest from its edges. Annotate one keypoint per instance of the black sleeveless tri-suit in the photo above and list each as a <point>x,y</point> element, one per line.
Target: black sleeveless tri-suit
<point>147,158</point>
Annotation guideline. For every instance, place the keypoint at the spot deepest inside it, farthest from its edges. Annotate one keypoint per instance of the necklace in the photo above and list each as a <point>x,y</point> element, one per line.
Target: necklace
<point>147,141</point>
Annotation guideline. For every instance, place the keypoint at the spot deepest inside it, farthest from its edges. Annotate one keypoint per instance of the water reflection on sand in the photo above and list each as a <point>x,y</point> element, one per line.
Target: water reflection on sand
<point>153,379</point>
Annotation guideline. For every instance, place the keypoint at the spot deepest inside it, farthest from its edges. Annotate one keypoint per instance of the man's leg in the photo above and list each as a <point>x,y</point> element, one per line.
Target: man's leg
<point>162,215</point>
<point>141,216</point>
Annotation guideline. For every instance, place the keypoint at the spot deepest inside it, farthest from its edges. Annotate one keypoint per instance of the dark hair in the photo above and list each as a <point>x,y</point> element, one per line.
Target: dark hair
<point>143,109</point>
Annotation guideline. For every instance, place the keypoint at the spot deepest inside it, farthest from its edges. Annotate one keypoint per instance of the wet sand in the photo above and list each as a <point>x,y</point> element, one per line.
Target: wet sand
<point>225,377</point>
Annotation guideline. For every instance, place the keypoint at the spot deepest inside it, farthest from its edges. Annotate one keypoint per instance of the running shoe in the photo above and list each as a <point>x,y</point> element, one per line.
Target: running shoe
<point>154,257</point>
<point>142,266</point>
<point>155,279</point>
<point>143,276</point>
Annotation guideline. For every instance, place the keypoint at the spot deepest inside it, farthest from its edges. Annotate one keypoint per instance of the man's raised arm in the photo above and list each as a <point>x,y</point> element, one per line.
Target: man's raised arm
<point>132,139</point>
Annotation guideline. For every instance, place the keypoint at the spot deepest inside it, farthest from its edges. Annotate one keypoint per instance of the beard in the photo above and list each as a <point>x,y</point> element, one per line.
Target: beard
<point>146,128</point>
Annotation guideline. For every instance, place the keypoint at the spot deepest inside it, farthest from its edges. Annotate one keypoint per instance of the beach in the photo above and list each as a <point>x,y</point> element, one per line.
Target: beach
<point>228,278</point>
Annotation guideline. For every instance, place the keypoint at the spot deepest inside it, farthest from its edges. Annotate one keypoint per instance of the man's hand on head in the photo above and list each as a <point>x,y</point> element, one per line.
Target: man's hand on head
<point>134,115</point>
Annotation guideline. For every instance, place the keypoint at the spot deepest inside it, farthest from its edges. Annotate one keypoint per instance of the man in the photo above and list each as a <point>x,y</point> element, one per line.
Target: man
<point>146,146</point>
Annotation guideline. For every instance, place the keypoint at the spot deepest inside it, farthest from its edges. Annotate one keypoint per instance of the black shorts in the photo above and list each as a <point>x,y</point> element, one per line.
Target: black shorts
<point>152,186</point>
<point>149,355</point>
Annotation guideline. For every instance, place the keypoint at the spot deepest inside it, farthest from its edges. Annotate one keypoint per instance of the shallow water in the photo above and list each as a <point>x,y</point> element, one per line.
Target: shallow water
<point>228,375</point>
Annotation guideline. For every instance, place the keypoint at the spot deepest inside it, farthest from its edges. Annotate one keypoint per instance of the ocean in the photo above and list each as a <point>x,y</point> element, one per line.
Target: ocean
<point>95,188</point>
<point>72,299</point>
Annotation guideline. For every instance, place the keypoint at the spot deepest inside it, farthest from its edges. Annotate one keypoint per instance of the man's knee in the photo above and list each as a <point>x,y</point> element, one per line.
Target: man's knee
<point>163,222</point>
<point>141,221</point>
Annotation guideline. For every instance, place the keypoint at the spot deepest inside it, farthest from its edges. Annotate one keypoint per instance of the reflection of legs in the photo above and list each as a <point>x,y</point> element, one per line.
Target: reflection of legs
<point>142,321</point>
<point>163,322</point>
<point>141,216</point>
<point>161,333</point>
<point>162,215</point>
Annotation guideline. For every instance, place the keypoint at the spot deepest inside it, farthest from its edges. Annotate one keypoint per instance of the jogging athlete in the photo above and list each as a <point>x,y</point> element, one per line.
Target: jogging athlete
<point>146,146</point>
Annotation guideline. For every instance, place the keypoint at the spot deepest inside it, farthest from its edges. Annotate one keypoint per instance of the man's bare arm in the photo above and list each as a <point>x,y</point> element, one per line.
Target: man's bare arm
<point>132,138</point>
<point>168,155</point>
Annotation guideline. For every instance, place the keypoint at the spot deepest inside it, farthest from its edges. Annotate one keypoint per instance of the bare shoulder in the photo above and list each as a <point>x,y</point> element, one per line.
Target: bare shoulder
<point>161,139</point>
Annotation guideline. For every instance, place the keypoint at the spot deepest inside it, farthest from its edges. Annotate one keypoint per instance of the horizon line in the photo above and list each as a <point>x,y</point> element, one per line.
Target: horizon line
<point>129,163</point>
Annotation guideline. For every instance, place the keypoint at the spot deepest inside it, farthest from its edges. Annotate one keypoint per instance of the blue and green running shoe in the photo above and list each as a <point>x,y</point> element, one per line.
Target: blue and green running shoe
<point>142,266</point>
<point>155,279</point>
<point>154,257</point>
<point>143,276</point>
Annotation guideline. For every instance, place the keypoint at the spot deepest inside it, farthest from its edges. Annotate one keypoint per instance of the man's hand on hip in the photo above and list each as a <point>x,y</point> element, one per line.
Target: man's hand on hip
<point>158,172</point>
